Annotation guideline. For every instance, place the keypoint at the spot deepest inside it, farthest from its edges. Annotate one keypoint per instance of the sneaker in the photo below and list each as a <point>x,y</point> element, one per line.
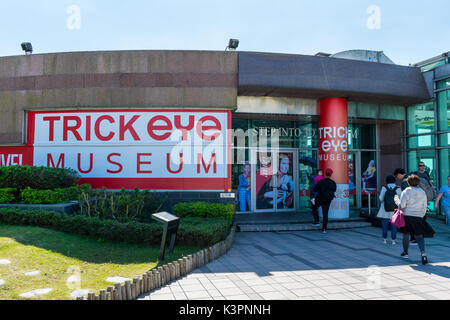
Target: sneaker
<point>404,255</point>
<point>324,231</point>
<point>413,242</point>
<point>424,259</point>
<point>316,224</point>
<point>384,241</point>
<point>393,242</point>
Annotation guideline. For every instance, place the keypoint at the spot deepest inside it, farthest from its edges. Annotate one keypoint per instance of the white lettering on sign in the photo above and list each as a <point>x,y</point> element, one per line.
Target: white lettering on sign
<point>333,139</point>
<point>127,127</point>
<point>7,160</point>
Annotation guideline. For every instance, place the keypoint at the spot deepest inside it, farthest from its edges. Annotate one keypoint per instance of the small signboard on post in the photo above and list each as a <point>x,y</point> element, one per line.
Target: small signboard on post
<point>171,224</point>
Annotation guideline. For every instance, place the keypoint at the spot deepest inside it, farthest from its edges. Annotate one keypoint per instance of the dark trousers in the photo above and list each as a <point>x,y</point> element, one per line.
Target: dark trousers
<point>325,208</point>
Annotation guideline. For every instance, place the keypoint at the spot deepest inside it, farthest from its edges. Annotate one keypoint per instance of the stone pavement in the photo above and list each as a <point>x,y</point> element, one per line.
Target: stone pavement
<point>340,265</point>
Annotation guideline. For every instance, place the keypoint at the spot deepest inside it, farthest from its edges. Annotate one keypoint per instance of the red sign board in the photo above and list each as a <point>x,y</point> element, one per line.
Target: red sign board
<point>151,149</point>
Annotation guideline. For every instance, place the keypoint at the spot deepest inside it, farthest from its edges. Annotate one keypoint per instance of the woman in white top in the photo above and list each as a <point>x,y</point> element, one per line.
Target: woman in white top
<point>413,202</point>
<point>385,215</point>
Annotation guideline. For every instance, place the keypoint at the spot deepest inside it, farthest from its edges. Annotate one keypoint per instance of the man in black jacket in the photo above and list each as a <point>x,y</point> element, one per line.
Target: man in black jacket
<point>325,189</point>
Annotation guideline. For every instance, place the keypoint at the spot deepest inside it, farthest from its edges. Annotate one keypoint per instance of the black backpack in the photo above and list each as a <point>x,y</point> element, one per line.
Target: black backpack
<point>389,203</point>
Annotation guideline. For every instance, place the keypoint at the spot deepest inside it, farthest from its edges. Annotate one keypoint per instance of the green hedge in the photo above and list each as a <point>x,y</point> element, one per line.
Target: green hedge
<point>204,210</point>
<point>58,195</point>
<point>191,232</point>
<point>8,195</point>
<point>40,178</point>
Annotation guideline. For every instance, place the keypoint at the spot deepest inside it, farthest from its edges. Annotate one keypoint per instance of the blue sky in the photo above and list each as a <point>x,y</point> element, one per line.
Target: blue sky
<point>409,31</point>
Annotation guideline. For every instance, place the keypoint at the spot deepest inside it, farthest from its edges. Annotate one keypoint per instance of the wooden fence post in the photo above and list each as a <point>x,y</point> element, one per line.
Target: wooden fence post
<point>118,291</point>
<point>184,266</point>
<point>128,290</point>
<point>156,278</point>
<point>136,287</point>
<point>110,290</point>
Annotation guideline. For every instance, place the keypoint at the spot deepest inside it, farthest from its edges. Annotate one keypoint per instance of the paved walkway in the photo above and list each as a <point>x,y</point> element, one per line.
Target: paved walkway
<point>342,264</point>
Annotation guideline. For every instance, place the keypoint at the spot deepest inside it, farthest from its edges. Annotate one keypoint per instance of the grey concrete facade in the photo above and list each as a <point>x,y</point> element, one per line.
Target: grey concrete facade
<point>113,79</point>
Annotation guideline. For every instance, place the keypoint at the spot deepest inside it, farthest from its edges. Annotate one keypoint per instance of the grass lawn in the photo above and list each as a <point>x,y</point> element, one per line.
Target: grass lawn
<point>59,255</point>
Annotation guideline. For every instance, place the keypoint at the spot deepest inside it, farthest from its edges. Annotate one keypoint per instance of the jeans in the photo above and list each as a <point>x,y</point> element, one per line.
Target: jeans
<point>385,224</point>
<point>244,199</point>
<point>446,210</point>
<point>325,208</point>
<point>419,239</point>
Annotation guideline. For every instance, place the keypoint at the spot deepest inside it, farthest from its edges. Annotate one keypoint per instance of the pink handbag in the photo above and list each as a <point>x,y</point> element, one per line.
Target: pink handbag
<point>398,219</point>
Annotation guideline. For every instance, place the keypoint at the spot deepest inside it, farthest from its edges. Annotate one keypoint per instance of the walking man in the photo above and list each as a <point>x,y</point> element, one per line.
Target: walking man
<point>325,189</point>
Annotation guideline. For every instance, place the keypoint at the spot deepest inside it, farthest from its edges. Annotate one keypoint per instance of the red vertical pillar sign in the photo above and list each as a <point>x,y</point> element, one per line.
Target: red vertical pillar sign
<point>333,150</point>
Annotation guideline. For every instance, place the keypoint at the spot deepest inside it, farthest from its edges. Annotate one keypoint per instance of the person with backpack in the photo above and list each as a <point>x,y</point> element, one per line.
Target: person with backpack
<point>325,189</point>
<point>387,207</point>
<point>413,203</point>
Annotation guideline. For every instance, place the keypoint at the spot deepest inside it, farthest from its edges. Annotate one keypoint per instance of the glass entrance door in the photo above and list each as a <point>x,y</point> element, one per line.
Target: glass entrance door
<point>274,180</point>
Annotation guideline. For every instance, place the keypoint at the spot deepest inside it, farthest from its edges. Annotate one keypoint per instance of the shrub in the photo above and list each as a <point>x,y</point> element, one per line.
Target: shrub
<point>195,232</point>
<point>7,195</point>
<point>31,196</point>
<point>40,178</point>
<point>204,210</point>
<point>122,206</point>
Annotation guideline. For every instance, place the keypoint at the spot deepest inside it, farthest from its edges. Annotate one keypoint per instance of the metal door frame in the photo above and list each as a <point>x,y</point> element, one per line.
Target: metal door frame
<point>357,168</point>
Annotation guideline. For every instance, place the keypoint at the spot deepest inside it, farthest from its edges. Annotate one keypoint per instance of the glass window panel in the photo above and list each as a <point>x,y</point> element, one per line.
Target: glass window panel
<point>421,141</point>
<point>420,118</point>
<point>306,135</point>
<point>368,178</point>
<point>444,166</point>
<point>443,102</point>
<point>429,158</point>
<point>432,65</point>
<point>307,170</point>
<point>362,136</point>
<point>391,112</point>
<point>443,84</point>
<point>269,129</point>
<point>444,140</point>
<point>240,132</point>
<point>362,110</point>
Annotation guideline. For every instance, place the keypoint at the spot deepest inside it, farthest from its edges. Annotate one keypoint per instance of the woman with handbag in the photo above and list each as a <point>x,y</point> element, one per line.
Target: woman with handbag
<point>387,208</point>
<point>413,202</point>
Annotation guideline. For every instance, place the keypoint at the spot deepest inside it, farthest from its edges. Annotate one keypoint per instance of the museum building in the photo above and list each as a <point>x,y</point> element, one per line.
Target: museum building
<point>246,128</point>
